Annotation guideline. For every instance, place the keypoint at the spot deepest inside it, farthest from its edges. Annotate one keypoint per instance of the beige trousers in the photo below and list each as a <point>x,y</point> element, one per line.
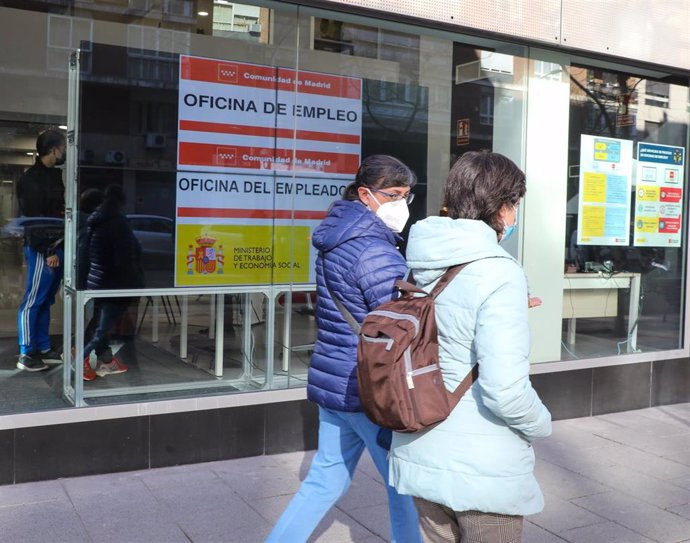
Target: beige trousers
<point>440,524</point>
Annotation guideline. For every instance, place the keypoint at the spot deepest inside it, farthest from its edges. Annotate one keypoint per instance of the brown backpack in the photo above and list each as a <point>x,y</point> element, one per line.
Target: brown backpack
<point>400,381</point>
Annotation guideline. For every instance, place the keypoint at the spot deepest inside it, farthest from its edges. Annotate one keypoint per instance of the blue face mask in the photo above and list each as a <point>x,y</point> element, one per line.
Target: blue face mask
<point>508,230</point>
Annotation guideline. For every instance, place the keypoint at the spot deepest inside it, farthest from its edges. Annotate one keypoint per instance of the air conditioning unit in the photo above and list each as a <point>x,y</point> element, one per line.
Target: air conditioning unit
<point>155,141</point>
<point>115,157</point>
<point>255,28</point>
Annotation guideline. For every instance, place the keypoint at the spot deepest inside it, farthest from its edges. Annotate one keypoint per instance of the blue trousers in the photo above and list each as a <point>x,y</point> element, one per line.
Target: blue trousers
<point>33,317</point>
<point>342,439</point>
<point>109,312</point>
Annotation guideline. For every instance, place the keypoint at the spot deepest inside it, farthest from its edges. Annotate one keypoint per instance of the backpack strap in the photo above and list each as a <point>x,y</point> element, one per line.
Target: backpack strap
<point>407,287</point>
<point>464,386</point>
<point>349,318</point>
<point>471,377</point>
<point>446,278</point>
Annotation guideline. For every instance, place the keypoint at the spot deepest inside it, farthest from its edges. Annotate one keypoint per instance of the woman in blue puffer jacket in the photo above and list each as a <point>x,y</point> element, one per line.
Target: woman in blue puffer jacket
<point>358,263</point>
<point>472,474</point>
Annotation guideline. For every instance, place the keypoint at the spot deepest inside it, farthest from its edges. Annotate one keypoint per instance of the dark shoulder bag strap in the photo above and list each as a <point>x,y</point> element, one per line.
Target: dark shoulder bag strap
<point>356,328</point>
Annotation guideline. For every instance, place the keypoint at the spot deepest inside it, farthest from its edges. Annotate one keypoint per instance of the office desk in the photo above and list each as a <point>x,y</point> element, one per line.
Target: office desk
<point>587,295</point>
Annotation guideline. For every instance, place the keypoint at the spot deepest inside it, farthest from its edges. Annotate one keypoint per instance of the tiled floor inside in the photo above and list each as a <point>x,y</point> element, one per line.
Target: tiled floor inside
<point>158,364</point>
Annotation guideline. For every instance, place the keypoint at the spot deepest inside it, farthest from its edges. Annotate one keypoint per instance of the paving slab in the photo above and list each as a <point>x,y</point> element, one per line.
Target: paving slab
<point>120,508</point>
<point>604,532</point>
<point>639,516</point>
<point>364,491</point>
<point>535,534</point>
<point>340,527</point>
<point>26,493</point>
<point>657,492</point>
<point>42,522</point>
<point>567,484</point>
<point>561,515</point>
<point>644,423</point>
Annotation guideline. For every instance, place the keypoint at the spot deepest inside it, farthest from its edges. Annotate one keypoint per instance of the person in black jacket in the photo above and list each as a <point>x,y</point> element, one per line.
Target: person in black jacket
<point>114,263</point>
<point>41,193</point>
<point>89,201</point>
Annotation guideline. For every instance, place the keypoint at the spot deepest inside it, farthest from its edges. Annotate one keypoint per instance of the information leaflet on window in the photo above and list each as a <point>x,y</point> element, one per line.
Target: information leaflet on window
<point>262,153</point>
<point>659,195</point>
<point>605,186</point>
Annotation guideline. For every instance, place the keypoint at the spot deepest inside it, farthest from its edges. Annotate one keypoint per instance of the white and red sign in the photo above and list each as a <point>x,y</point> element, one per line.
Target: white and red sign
<point>247,118</point>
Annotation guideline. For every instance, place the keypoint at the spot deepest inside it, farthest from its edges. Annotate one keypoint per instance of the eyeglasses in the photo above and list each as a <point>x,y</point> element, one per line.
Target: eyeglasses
<point>409,197</point>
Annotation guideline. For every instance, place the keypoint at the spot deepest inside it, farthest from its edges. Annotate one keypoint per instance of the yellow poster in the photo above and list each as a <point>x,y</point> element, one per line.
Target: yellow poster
<point>241,254</point>
<point>604,193</point>
<point>594,187</point>
<point>593,221</point>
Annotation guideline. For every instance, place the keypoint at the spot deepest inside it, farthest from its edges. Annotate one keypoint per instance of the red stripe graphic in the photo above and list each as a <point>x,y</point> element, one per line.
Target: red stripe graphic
<point>268,77</point>
<point>265,158</point>
<point>226,213</point>
<point>269,132</point>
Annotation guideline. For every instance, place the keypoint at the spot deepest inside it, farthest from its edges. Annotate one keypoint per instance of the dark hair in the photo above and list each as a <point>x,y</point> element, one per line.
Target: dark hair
<point>48,140</point>
<point>380,172</point>
<point>90,199</point>
<point>479,184</point>
<point>115,193</point>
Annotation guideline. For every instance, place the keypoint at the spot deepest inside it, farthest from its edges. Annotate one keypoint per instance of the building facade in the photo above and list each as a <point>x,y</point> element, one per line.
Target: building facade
<point>232,127</point>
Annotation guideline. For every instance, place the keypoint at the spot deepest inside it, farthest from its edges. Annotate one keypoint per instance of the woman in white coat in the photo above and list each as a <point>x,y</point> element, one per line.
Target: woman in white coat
<point>472,475</point>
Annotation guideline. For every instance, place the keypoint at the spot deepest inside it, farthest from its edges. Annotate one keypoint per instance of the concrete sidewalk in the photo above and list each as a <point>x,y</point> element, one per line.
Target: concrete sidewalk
<point>619,478</point>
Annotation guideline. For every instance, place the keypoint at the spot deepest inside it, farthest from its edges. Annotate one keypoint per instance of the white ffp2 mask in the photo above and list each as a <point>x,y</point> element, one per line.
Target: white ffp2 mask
<point>393,214</point>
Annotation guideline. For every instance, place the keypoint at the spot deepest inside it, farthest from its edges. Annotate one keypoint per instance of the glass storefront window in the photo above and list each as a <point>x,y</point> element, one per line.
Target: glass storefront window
<point>624,243</point>
<point>230,128</point>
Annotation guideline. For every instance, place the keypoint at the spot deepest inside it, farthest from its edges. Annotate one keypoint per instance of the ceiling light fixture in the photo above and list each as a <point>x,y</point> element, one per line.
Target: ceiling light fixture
<point>203,13</point>
<point>63,127</point>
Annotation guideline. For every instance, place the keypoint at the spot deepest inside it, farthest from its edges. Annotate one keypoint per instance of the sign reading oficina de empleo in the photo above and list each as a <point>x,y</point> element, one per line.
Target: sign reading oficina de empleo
<point>262,153</point>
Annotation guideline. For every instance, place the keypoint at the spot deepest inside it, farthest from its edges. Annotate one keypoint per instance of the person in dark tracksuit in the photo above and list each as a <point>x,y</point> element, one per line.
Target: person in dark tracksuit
<point>114,262</point>
<point>41,193</point>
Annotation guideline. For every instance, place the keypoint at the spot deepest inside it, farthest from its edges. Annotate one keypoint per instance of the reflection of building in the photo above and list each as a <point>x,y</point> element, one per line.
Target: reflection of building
<point>153,31</point>
<point>240,19</point>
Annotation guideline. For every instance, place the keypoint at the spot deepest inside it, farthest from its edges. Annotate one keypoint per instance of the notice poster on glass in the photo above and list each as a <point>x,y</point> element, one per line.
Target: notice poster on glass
<point>262,153</point>
<point>246,229</point>
<point>606,166</point>
<point>238,117</point>
<point>659,195</point>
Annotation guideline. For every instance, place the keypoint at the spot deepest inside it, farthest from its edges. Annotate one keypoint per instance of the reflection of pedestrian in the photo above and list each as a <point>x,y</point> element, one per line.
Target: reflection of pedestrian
<point>40,193</point>
<point>359,265</point>
<point>89,201</point>
<point>114,263</point>
<point>472,474</point>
